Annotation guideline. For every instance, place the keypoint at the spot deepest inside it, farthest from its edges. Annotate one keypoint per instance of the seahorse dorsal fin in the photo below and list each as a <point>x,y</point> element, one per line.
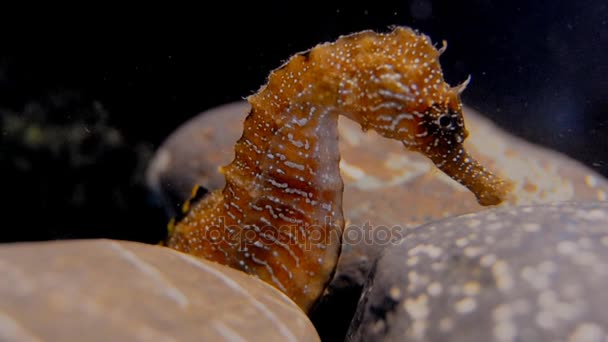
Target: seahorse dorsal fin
<point>462,86</point>
<point>444,46</point>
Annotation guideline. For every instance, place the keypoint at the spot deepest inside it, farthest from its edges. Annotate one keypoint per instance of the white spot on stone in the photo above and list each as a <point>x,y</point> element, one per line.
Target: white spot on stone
<point>226,332</point>
<point>596,215</point>
<point>502,275</point>
<point>502,312</point>
<point>462,242</point>
<point>552,309</point>
<point>155,275</point>
<point>472,252</point>
<point>418,310</point>
<point>531,227</point>
<point>378,326</point>
<point>495,226</point>
<point>438,266</point>
<point>491,217</point>
<point>587,332</point>
<point>465,305</point>
<point>413,260</point>
<point>471,288</point>
<point>356,176</point>
<point>473,223</point>
<point>536,279</point>
<point>505,331</point>
<point>446,324</point>
<point>416,280</point>
<point>547,267</point>
<point>434,289</point>
<point>590,181</point>
<point>232,284</point>
<point>431,250</point>
<point>487,260</point>
<point>545,320</point>
<point>13,330</point>
<point>395,293</point>
<point>567,248</point>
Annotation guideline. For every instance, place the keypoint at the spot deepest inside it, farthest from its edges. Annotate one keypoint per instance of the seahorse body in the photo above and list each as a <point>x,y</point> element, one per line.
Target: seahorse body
<point>279,216</point>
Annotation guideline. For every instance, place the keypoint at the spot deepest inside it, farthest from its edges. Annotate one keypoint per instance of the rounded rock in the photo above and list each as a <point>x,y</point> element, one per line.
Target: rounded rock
<point>530,273</point>
<point>104,290</point>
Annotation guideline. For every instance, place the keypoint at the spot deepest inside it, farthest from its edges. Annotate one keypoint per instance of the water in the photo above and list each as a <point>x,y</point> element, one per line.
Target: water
<point>82,113</point>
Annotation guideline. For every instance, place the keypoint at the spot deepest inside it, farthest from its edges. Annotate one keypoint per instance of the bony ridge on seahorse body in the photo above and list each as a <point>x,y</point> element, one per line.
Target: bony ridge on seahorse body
<point>279,216</point>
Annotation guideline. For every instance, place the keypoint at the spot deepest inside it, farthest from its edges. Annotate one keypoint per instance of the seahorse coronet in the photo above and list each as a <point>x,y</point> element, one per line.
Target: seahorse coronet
<point>279,216</point>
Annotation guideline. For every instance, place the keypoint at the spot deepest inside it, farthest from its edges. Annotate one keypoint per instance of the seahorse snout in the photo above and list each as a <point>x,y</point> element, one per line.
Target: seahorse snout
<point>456,162</point>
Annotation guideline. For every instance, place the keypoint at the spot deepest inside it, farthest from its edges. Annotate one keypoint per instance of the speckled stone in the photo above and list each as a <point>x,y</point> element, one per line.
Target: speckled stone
<point>531,273</point>
<point>103,290</point>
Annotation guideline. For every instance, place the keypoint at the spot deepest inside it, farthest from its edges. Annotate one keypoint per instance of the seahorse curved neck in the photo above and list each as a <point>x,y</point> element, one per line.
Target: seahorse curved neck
<point>283,196</point>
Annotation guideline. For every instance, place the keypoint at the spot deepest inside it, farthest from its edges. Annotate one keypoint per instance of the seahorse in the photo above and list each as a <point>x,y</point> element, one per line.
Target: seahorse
<point>279,216</point>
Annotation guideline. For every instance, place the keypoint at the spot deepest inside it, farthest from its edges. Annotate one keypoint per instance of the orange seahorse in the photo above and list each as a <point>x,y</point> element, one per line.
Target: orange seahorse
<point>279,216</point>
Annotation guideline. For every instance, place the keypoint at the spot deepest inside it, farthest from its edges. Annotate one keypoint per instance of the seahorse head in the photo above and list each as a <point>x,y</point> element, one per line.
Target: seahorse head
<point>398,90</point>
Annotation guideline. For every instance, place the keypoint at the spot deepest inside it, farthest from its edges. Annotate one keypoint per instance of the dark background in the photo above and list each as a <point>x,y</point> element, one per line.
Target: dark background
<point>86,96</point>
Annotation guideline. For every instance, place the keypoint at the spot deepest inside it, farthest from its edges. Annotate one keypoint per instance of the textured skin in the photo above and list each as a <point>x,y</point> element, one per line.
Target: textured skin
<point>279,216</point>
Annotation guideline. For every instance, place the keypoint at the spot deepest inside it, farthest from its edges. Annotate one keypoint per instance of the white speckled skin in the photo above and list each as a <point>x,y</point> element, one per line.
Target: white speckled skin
<point>279,216</point>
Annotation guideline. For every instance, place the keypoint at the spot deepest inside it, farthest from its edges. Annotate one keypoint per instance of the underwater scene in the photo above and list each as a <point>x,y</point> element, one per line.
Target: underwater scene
<point>413,170</point>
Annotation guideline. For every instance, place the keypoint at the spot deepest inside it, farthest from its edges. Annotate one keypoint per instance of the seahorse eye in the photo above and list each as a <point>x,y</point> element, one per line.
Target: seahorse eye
<point>445,121</point>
